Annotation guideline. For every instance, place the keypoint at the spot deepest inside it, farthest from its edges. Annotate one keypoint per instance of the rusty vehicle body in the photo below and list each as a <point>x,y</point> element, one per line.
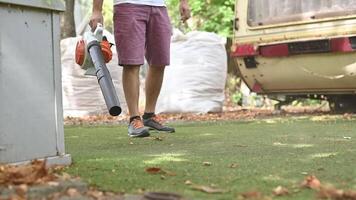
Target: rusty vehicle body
<point>295,48</point>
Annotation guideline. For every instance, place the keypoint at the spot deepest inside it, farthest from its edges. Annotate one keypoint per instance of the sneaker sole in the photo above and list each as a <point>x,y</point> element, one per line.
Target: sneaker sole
<point>153,129</point>
<point>140,136</point>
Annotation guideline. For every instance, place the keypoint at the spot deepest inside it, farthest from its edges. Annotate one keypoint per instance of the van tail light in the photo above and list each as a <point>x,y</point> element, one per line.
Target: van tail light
<point>278,50</point>
<point>245,50</point>
<point>341,45</point>
<point>296,48</point>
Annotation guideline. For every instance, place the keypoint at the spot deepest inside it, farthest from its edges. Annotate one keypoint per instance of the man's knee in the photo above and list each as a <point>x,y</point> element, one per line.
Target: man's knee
<point>132,69</point>
<point>157,68</point>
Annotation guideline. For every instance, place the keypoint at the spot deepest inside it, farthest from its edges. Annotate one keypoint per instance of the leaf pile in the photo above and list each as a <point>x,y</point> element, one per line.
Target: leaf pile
<point>32,173</point>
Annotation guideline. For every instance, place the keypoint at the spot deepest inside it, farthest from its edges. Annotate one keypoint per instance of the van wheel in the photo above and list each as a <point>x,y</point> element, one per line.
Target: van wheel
<point>343,104</point>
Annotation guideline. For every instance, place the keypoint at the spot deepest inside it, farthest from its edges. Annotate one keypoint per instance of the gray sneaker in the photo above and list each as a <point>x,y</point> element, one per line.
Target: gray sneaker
<point>137,129</point>
<point>155,123</point>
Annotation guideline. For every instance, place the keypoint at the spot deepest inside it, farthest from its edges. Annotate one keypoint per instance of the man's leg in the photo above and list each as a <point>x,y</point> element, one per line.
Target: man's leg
<point>154,81</point>
<point>157,53</point>
<point>131,85</point>
<point>130,23</point>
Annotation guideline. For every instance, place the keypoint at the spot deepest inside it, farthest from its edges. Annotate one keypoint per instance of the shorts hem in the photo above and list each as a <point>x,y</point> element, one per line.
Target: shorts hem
<point>159,65</point>
<point>130,62</point>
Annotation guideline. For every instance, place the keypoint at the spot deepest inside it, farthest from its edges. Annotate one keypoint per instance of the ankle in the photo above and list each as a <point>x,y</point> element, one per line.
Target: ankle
<point>148,115</point>
<point>134,117</point>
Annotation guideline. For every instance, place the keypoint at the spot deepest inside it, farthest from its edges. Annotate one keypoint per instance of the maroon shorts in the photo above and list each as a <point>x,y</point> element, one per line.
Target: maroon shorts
<point>142,31</point>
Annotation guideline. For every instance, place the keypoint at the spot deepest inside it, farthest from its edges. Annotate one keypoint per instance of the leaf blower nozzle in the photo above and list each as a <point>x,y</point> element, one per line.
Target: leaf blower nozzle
<point>92,54</point>
<point>104,78</point>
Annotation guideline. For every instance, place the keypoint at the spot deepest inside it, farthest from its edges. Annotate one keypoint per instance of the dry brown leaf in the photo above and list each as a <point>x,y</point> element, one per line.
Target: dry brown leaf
<point>311,182</point>
<point>53,183</point>
<point>234,165</point>
<point>21,190</point>
<point>95,194</point>
<point>153,170</point>
<point>207,189</point>
<point>157,170</point>
<point>188,182</point>
<point>32,173</point>
<point>280,191</point>
<point>72,192</point>
<point>251,195</point>
<point>350,195</point>
<point>336,194</point>
<point>16,197</point>
<point>65,176</point>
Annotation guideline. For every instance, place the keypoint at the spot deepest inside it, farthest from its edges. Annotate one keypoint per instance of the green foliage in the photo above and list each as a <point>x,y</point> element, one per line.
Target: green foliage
<point>207,15</point>
<point>233,88</point>
<point>108,15</point>
<point>107,12</point>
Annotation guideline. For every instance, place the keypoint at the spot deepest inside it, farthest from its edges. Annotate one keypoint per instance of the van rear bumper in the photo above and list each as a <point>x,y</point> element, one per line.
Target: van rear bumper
<point>310,73</point>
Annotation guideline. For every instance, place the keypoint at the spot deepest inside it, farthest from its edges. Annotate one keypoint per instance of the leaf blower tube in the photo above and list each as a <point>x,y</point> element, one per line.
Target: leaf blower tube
<point>104,78</point>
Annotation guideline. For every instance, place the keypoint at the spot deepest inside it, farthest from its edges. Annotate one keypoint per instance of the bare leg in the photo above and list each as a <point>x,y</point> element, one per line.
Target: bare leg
<point>154,81</point>
<point>131,85</point>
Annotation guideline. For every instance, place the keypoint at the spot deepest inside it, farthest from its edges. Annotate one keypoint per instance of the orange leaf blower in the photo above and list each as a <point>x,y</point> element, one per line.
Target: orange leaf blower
<point>92,53</point>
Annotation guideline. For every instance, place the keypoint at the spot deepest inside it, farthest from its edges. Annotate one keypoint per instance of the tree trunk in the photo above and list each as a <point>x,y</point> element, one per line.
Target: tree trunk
<point>67,21</point>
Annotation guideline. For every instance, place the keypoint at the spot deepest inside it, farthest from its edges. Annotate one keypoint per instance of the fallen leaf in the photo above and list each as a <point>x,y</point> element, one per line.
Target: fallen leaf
<point>207,189</point>
<point>153,170</point>
<point>32,173</point>
<point>157,170</point>
<point>336,194</point>
<point>350,195</point>
<point>65,176</point>
<point>330,193</point>
<point>95,194</point>
<point>311,182</point>
<point>158,138</point>
<point>53,183</point>
<point>207,163</point>
<point>72,192</point>
<point>188,182</point>
<point>234,165</point>
<point>280,191</point>
<point>251,195</point>
<point>21,190</point>
<point>141,190</point>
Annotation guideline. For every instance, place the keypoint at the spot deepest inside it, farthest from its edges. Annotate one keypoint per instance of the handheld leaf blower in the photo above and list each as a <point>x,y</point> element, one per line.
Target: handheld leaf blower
<point>92,53</point>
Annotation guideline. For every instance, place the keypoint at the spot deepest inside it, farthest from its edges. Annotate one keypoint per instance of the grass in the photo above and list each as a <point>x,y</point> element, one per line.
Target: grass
<point>269,153</point>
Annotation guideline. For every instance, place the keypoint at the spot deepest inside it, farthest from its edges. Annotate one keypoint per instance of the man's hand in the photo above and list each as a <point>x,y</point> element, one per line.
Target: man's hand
<point>95,19</point>
<point>184,10</point>
<point>97,16</point>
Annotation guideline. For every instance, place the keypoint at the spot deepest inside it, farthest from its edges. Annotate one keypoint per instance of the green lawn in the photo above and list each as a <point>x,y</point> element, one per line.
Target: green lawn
<point>269,153</point>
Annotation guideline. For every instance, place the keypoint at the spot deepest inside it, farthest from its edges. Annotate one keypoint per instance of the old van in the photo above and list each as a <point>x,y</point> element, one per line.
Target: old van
<point>297,48</point>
